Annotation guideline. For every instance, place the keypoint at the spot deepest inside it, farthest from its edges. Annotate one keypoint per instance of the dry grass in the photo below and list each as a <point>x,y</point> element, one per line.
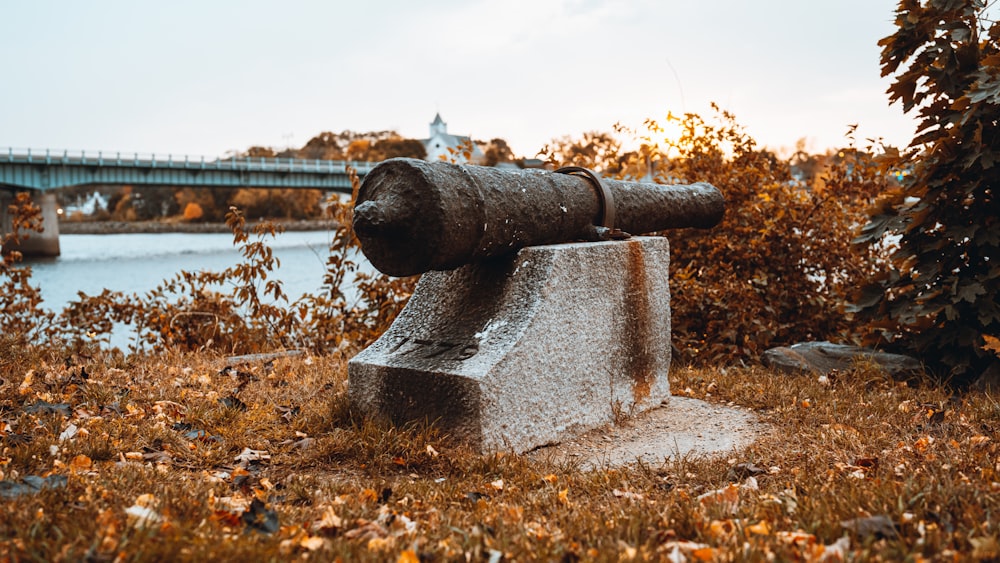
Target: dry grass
<point>160,468</point>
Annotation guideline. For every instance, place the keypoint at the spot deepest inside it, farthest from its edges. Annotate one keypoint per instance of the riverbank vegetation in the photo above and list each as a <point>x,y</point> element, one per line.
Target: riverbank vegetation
<point>176,449</point>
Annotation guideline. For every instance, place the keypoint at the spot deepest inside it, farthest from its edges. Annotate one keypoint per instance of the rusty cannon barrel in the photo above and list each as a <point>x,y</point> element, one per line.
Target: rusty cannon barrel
<point>413,216</point>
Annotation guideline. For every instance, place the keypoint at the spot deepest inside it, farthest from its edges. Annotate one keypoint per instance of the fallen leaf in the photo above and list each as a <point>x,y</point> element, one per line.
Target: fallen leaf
<point>720,529</point>
<point>741,471</point>
<point>798,537</point>
<point>368,495</point>
<point>476,496</point>
<point>233,402</point>
<point>922,444</point>
<point>879,527</point>
<point>836,551</point>
<point>250,455</point>
<point>81,463</point>
<point>69,433</point>
<point>25,386</point>
<point>760,529</point>
<point>366,531</point>
<point>629,495</point>
<point>728,498</point>
<point>30,485</point>
<point>329,524</point>
<point>288,413</point>
<point>44,407</point>
<point>678,550</point>
<point>497,485</point>
<point>976,441</point>
<point>141,517</point>
<point>867,463</point>
<point>705,553</point>
<point>628,552</point>
<point>312,543</point>
<point>259,518</point>
<point>985,548</point>
<point>227,518</point>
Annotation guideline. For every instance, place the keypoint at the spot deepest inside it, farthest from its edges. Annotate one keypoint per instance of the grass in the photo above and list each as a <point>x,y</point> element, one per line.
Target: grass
<point>161,463</point>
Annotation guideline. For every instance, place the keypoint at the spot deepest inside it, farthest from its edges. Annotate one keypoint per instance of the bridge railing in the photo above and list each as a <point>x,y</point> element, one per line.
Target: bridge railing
<point>153,160</point>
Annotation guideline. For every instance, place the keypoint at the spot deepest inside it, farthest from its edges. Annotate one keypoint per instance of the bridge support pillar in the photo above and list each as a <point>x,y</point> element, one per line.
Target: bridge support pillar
<point>45,243</point>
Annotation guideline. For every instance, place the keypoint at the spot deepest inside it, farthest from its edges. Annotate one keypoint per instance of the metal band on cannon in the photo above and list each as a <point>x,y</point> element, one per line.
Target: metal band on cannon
<point>413,216</point>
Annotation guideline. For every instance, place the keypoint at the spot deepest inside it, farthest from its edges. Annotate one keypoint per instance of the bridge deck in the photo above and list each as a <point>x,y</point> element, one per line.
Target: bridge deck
<point>45,170</point>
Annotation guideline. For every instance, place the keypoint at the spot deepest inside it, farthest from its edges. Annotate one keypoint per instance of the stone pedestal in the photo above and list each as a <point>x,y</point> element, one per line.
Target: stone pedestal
<point>45,243</point>
<point>518,352</point>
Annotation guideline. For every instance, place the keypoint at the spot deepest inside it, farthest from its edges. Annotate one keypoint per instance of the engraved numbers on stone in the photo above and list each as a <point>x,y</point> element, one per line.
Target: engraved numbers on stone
<point>428,348</point>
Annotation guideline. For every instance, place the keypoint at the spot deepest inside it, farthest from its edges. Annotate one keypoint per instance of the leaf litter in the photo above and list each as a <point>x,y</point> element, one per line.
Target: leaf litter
<point>172,461</point>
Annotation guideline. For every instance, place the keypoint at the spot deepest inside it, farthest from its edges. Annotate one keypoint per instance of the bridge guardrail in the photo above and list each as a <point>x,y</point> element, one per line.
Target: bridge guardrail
<point>152,160</point>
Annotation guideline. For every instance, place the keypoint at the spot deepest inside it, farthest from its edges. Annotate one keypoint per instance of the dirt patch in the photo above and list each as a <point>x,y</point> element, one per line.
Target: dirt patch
<point>682,427</point>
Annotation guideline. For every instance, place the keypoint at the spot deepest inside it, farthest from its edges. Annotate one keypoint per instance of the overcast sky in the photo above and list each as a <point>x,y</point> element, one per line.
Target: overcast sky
<point>209,76</point>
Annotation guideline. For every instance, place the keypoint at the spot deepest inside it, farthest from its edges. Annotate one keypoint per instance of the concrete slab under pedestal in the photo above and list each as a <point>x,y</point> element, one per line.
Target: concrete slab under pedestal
<point>515,353</point>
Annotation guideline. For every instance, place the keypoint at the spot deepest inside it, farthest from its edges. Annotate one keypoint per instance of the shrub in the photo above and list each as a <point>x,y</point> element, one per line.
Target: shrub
<point>21,314</point>
<point>193,212</point>
<point>940,298</point>
<point>780,266</point>
<point>241,309</point>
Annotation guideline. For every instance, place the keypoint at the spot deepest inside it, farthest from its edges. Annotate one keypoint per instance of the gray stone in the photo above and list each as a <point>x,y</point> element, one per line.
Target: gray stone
<point>517,352</point>
<point>824,357</point>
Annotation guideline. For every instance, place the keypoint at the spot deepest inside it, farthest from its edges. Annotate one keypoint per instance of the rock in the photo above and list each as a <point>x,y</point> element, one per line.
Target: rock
<point>989,379</point>
<point>822,358</point>
<point>517,352</point>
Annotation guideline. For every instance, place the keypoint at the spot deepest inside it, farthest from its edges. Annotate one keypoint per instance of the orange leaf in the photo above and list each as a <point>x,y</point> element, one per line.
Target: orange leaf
<point>81,463</point>
<point>368,495</point>
<point>705,554</point>
<point>922,444</point>
<point>760,529</point>
<point>992,344</point>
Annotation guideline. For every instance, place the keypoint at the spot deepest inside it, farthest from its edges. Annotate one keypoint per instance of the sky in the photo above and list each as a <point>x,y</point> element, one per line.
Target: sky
<point>208,77</point>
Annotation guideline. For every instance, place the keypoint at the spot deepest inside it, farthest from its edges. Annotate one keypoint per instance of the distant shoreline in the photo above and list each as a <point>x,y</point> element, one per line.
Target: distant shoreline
<point>144,227</point>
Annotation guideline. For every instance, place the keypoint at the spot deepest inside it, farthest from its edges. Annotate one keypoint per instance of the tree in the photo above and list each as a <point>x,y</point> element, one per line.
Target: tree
<point>941,297</point>
<point>325,146</point>
<point>396,147</point>
<point>599,151</point>
<point>497,151</point>
<point>258,151</point>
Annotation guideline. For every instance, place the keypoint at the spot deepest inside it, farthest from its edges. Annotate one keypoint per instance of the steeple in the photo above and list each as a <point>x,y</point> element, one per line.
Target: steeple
<point>438,125</point>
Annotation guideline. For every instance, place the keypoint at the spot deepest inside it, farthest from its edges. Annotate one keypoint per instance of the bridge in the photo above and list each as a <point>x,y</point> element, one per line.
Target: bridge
<point>40,171</point>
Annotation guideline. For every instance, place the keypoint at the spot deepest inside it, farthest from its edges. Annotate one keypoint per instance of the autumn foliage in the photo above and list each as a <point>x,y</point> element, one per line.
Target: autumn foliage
<point>940,299</point>
<point>780,267</point>
<point>240,309</point>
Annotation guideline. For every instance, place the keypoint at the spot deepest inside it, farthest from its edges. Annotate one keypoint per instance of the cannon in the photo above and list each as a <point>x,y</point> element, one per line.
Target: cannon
<point>413,216</point>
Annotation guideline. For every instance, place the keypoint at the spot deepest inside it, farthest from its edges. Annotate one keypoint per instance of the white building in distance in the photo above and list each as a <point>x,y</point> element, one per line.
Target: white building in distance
<point>440,141</point>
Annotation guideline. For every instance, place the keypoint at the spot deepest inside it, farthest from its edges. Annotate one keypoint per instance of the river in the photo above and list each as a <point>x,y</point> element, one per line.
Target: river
<point>136,263</point>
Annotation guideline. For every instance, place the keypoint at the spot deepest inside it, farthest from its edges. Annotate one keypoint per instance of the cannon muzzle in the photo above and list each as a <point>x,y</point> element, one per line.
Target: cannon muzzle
<point>413,216</point>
